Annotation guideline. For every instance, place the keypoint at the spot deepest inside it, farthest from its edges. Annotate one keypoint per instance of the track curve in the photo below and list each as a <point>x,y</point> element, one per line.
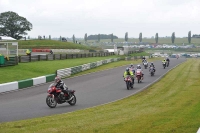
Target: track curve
<point>91,90</point>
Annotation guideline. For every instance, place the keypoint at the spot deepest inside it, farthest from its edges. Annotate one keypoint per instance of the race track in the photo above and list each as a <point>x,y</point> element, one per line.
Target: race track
<point>91,90</point>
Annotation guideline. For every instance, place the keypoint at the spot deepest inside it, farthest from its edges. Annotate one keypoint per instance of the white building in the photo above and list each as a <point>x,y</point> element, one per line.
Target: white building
<point>6,38</point>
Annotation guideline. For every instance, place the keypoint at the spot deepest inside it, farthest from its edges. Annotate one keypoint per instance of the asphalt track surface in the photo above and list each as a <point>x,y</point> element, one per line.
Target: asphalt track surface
<point>91,90</point>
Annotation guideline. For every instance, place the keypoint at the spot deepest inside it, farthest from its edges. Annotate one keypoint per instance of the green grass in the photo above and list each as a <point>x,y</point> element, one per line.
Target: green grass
<point>41,68</point>
<point>51,44</point>
<point>171,105</point>
<point>140,54</point>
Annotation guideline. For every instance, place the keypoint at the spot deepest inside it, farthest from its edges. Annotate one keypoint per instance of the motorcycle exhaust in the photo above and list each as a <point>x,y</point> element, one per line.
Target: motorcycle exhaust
<point>70,99</point>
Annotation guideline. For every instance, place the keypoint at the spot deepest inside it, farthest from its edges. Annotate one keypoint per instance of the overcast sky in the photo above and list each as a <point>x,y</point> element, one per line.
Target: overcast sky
<point>68,17</point>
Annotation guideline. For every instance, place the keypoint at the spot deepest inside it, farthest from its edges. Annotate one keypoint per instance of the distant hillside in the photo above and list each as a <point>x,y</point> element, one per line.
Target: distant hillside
<point>102,36</point>
<point>50,44</point>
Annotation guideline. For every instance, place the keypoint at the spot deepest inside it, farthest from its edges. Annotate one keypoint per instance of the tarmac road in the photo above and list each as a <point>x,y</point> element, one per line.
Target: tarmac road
<point>91,90</point>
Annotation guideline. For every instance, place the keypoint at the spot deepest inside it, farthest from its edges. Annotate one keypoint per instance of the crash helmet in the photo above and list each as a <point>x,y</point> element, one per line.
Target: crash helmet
<point>151,63</point>
<point>131,65</point>
<point>127,69</point>
<point>57,79</point>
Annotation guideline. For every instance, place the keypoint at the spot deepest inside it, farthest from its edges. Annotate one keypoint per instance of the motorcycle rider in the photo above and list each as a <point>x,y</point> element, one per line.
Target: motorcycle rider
<point>130,73</point>
<point>61,85</point>
<point>132,68</point>
<point>140,69</point>
<point>152,65</point>
<point>143,59</point>
<point>164,61</point>
<point>167,60</point>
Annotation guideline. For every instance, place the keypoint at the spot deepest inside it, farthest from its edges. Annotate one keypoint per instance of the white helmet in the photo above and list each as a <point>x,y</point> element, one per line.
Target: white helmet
<point>57,79</point>
<point>138,65</point>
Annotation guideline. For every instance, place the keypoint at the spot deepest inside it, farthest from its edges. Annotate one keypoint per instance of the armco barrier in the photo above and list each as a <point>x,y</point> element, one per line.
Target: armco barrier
<point>8,86</point>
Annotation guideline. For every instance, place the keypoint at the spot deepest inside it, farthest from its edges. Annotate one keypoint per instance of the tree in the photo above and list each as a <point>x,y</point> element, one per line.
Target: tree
<point>140,37</point>
<point>13,25</point>
<point>189,37</point>
<point>98,37</point>
<point>102,36</point>
<point>173,37</point>
<point>156,37</point>
<point>126,36</point>
<point>73,39</point>
<point>85,37</point>
<point>112,37</point>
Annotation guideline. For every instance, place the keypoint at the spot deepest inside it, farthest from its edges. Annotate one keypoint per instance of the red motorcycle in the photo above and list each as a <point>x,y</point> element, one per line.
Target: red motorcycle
<point>56,96</point>
<point>139,76</point>
<point>129,82</point>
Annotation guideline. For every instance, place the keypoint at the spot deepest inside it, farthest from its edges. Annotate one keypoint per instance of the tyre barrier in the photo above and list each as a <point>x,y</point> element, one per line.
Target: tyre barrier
<point>62,73</point>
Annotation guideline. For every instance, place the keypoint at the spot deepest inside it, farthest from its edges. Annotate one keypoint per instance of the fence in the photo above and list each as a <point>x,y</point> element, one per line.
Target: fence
<point>25,58</point>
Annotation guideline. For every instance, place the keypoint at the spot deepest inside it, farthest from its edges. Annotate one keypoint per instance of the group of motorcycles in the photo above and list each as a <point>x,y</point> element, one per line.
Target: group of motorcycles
<point>56,96</point>
<point>165,64</point>
<point>138,74</point>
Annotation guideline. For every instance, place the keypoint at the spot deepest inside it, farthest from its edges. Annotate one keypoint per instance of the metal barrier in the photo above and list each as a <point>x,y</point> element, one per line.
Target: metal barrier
<point>26,58</point>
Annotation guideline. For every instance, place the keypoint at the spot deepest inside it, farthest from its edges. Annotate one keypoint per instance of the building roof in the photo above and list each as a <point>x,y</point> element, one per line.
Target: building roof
<point>3,38</point>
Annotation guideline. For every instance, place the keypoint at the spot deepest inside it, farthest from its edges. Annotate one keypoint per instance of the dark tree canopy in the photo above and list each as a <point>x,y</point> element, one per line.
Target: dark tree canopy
<point>99,37</point>
<point>13,25</point>
<point>102,36</point>
<point>112,37</point>
<point>156,38</point>
<point>140,37</point>
<point>173,37</point>
<point>73,37</point>
<point>85,37</point>
<point>189,37</point>
<point>126,36</point>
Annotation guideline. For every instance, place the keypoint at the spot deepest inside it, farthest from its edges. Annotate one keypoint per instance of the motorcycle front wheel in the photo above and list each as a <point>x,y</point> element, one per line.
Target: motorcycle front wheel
<point>73,100</point>
<point>128,85</point>
<point>51,102</point>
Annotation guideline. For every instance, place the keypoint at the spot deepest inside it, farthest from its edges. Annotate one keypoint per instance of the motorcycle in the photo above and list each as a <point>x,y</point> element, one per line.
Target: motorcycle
<point>164,65</point>
<point>56,96</point>
<point>151,70</point>
<point>139,76</point>
<point>145,65</point>
<point>129,82</point>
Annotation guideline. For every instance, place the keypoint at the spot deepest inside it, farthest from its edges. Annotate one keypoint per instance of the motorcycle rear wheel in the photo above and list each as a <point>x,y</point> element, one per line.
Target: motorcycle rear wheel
<point>73,101</point>
<point>51,102</point>
<point>139,79</point>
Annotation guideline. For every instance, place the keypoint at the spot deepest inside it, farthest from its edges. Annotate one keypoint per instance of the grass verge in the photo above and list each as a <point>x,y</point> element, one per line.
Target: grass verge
<point>171,105</point>
<point>40,68</point>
